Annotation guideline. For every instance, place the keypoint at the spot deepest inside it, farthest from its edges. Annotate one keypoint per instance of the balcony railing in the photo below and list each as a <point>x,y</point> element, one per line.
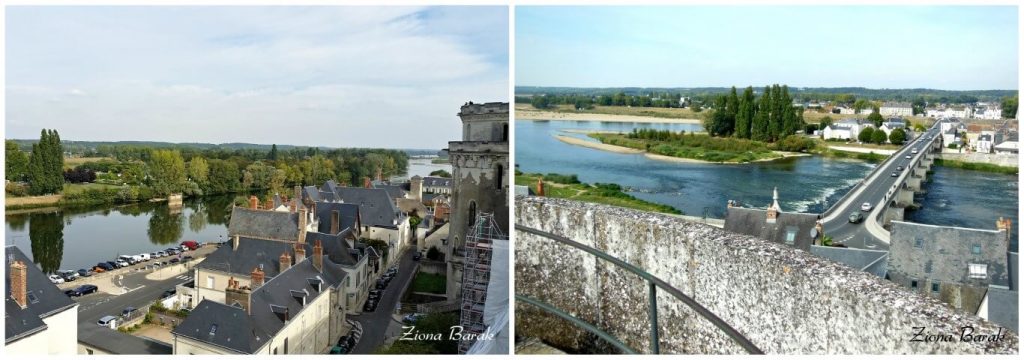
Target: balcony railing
<point>653,283</point>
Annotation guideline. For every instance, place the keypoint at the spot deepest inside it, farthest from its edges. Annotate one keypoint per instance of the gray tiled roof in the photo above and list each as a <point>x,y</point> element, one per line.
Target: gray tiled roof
<point>433,181</point>
<point>753,222</point>
<point>336,247</point>
<point>311,193</point>
<point>44,298</point>
<point>865,260</point>
<point>264,224</point>
<point>1002,307</point>
<point>251,253</point>
<point>348,215</point>
<point>245,333</point>
<point>376,207</point>
<point>394,191</point>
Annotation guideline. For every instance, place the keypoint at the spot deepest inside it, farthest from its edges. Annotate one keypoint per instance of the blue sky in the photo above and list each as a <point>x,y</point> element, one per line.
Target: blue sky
<point>953,48</point>
<point>328,76</point>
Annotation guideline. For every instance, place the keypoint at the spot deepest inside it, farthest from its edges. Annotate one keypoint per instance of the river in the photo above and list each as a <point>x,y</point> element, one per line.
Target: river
<point>805,184</point>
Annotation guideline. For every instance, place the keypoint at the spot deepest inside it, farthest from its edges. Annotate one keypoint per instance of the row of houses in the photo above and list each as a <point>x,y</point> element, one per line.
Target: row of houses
<point>981,138</point>
<point>983,111</point>
<point>849,129</point>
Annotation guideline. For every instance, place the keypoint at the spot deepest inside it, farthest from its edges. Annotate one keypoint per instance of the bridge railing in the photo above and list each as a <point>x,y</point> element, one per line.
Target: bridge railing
<point>832,209</point>
<point>653,284</point>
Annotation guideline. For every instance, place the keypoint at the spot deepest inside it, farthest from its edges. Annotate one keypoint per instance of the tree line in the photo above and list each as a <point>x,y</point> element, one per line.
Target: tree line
<point>767,118</point>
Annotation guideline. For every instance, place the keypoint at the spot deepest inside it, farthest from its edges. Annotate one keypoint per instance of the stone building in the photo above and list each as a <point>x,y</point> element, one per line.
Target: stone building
<point>480,173</point>
<point>955,265</point>
<point>798,230</point>
<point>38,318</point>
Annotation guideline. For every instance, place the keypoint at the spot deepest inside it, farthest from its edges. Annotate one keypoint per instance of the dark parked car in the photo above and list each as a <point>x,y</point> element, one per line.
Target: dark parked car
<point>81,290</point>
<point>381,284</point>
<point>106,266</point>
<point>375,294</point>
<point>370,306</point>
<point>412,318</point>
<point>168,293</point>
<point>127,311</point>
<point>416,257</point>
<point>174,261</point>
<point>187,258</point>
<point>114,264</point>
<point>68,275</point>
<point>84,272</point>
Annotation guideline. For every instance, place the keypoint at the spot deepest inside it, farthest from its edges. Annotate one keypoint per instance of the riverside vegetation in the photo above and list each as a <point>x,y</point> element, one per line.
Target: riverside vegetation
<point>570,187</point>
<point>705,147</point>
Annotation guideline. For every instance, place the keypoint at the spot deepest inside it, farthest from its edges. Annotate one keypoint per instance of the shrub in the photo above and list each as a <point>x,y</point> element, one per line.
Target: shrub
<point>433,253</point>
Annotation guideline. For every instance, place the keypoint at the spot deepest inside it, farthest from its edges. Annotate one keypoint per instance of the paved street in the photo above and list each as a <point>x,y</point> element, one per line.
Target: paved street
<point>375,324</point>
<point>857,235</point>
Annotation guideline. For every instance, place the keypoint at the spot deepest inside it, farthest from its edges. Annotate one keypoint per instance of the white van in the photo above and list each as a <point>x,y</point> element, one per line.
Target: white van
<point>128,259</point>
<point>144,257</point>
<point>107,321</point>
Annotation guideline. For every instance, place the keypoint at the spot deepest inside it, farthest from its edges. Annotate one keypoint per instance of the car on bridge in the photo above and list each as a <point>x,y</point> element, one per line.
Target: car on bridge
<point>895,173</point>
<point>865,207</point>
<point>856,217</point>
<point>913,151</point>
<point>899,168</point>
<point>907,157</point>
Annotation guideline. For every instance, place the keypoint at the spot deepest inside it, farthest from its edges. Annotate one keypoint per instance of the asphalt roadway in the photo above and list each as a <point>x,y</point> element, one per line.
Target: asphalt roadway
<point>375,323</point>
<point>856,235</point>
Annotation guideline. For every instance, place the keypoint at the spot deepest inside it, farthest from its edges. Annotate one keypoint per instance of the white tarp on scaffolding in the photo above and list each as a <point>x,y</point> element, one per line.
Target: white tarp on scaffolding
<point>496,305</point>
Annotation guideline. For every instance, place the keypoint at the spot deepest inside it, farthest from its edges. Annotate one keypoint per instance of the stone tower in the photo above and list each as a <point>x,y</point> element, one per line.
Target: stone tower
<point>480,169</point>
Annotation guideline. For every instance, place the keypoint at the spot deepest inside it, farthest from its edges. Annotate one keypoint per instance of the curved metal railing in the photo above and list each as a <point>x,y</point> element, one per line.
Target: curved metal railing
<point>653,283</point>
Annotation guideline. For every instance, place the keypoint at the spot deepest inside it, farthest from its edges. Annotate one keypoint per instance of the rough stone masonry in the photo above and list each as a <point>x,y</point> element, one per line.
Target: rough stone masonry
<point>783,299</point>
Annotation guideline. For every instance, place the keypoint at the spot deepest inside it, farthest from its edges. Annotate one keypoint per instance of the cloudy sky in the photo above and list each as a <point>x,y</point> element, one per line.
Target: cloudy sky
<point>328,76</point>
<point>942,47</point>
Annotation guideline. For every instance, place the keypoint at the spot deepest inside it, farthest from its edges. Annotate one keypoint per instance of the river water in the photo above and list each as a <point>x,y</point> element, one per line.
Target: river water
<point>805,184</point>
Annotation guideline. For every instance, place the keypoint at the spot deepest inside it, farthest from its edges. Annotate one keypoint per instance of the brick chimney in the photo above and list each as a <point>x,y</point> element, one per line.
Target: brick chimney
<point>256,277</point>
<point>254,202</point>
<point>302,226</point>
<point>335,222</point>
<point>380,175</point>
<point>285,261</point>
<point>234,294</point>
<point>540,187</point>
<point>318,256</point>
<point>19,283</point>
<point>366,182</point>
<point>300,252</point>
<point>269,204</point>
<point>1004,224</point>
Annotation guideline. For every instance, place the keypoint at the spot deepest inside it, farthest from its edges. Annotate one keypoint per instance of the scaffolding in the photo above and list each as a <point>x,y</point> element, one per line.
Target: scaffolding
<point>476,275</point>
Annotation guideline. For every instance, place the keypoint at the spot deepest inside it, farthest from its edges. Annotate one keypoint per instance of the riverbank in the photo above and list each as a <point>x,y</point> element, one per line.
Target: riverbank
<point>568,187</point>
<point>596,145</point>
<point>976,166</point>
<point>542,115</point>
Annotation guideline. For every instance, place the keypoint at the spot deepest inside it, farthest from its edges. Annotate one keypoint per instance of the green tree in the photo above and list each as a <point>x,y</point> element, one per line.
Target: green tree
<point>745,115</point>
<point>865,135</point>
<point>15,161</point>
<point>258,176</point>
<point>273,153</point>
<point>897,136</point>
<point>824,123</point>
<point>759,127</point>
<point>199,170</point>
<point>919,128</point>
<point>166,171</point>
<point>878,136</point>
<point>876,118</point>
<point>46,164</point>
<point>440,173</point>
<point>224,177</point>
<point>540,101</point>
<point>1009,105</point>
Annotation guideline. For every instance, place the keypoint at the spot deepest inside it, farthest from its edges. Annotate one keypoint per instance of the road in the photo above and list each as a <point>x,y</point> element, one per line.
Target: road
<point>375,323</point>
<point>857,235</point>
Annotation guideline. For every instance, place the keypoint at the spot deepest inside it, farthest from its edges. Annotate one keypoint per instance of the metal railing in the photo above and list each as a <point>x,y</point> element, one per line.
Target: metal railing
<point>653,283</point>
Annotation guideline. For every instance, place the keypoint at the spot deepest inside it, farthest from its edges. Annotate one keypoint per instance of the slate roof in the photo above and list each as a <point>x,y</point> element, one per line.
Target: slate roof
<point>231,328</point>
<point>251,253</point>
<point>870,261</point>
<point>336,247</point>
<point>434,181</point>
<point>752,222</point>
<point>394,191</point>
<point>376,207</point>
<point>44,298</point>
<point>1002,307</point>
<point>264,224</point>
<point>311,193</point>
<point>348,215</point>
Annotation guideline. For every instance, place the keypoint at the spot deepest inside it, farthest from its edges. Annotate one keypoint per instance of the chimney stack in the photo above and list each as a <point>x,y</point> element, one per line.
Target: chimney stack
<point>302,226</point>
<point>285,262</point>
<point>540,187</point>
<point>318,256</point>
<point>366,182</point>
<point>254,202</point>
<point>19,283</point>
<point>235,242</point>
<point>335,222</point>
<point>256,277</point>
<point>234,294</point>
<point>300,252</point>
<point>269,204</point>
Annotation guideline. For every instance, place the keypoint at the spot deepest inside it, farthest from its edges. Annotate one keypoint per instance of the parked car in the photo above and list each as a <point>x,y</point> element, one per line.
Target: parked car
<point>123,263</point>
<point>416,257</point>
<point>370,306</point>
<point>127,311</point>
<point>187,258</point>
<point>154,255</point>
<point>412,318</point>
<point>84,272</point>
<point>174,261</point>
<point>97,270</point>
<point>865,207</point>
<point>81,290</point>
<point>144,257</point>
<point>56,279</point>
<point>130,260</point>
<point>190,244</point>
<point>68,275</point>
<point>106,321</point>
<point>856,217</point>
<point>376,293</point>
<point>105,266</point>
<point>161,253</point>
<point>168,293</point>
<point>113,264</point>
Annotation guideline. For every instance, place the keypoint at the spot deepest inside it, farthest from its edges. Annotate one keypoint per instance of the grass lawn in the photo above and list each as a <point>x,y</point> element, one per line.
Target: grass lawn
<point>77,188</point>
<point>430,283</point>
<point>70,163</point>
<point>590,193</point>
<point>698,147</point>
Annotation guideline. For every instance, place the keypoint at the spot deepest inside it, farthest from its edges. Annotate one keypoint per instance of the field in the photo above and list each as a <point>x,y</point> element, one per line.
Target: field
<point>561,186</point>
<point>19,202</point>
<point>70,163</point>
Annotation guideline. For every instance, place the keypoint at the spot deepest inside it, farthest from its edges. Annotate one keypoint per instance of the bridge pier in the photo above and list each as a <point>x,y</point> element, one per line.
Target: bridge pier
<point>914,183</point>
<point>905,195</point>
<point>892,212</point>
